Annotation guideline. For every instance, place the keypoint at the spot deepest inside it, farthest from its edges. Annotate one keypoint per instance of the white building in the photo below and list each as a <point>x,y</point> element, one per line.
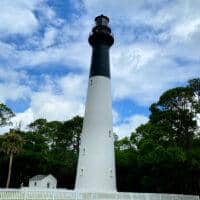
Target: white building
<point>43,181</point>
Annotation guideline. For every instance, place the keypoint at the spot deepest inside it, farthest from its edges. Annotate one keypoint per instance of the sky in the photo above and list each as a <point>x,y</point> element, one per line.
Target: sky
<point>45,56</point>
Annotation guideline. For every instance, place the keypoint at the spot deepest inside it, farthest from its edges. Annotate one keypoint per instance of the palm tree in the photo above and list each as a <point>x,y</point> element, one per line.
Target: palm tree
<point>12,143</point>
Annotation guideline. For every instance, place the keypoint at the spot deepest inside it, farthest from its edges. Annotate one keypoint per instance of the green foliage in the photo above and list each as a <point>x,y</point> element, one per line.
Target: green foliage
<point>194,84</point>
<point>174,114</point>
<point>11,143</point>
<point>164,152</point>
<point>5,115</point>
<point>49,147</point>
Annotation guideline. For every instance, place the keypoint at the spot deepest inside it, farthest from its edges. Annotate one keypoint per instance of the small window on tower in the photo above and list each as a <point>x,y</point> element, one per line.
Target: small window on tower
<point>110,133</point>
<point>35,183</point>
<point>83,151</point>
<point>111,173</point>
<point>81,172</point>
<point>91,82</point>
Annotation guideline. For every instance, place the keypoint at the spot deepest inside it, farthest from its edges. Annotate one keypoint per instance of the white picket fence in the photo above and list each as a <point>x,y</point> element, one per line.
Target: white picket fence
<point>59,194</point>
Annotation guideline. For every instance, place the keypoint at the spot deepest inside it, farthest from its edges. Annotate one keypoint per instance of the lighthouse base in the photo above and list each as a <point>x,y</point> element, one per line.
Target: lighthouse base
<point>63,194</point>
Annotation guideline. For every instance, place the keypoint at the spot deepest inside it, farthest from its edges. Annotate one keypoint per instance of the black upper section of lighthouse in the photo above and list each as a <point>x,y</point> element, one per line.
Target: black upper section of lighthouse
<point>101,39</point>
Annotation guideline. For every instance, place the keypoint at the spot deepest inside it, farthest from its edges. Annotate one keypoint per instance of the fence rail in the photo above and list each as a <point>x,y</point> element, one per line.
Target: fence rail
<point>59,194</point>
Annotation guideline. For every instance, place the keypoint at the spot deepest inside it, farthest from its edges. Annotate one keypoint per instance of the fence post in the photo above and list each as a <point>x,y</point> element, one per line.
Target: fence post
<point>24,195</point>
<point>53,194</point>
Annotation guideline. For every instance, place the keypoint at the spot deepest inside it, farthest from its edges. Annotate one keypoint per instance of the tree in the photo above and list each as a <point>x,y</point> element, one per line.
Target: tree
<point>168,145</point>
<point>126,164</point>
<point>12,143</point>
<point>5,115</point>
<point>55,144</point>
<point>59,135</point>
<point>174,113</point>
<point>73,128</point>
<point>194,84</point>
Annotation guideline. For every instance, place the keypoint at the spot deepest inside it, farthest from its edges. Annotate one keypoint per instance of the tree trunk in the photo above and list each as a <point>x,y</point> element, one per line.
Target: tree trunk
<point>9,171</point>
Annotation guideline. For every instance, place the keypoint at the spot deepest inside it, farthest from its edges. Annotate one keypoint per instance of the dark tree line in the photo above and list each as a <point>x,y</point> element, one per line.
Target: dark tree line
<point>162,155</point>
<point>49,147</point>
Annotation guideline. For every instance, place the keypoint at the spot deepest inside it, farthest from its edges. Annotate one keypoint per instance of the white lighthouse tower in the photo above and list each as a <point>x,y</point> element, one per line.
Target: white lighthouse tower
<point>96,163</point>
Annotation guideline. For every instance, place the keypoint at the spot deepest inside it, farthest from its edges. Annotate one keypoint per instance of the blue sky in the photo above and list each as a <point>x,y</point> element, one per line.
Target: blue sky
<point>45,56</point>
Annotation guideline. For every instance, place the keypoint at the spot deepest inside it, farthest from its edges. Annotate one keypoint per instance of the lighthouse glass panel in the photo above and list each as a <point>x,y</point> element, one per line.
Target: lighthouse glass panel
<point>102,22</point>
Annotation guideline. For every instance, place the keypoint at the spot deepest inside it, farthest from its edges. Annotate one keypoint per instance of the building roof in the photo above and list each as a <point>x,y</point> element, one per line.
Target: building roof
<point>38,177</point>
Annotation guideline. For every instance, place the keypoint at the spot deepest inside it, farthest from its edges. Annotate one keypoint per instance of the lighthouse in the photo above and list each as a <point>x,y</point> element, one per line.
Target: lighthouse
<point>96,162</point>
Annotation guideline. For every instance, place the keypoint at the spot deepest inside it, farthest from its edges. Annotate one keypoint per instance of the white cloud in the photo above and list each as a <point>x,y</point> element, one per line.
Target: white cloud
<point>11,86</point>
<point>22,119</point>
<point>129,125</point>
<point>49,37</point>
<point>116,116</point>
<point>143,77</point>
<point>8,74</point>
<point>46,103</point>
<point>49,106</point>
<point>13,92</point>
<point>17,17</point>
<point>54,107</point>
<point>4,129</point>
<point>70,55</point>
<point>185,29</point>
<point>74,86</point>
